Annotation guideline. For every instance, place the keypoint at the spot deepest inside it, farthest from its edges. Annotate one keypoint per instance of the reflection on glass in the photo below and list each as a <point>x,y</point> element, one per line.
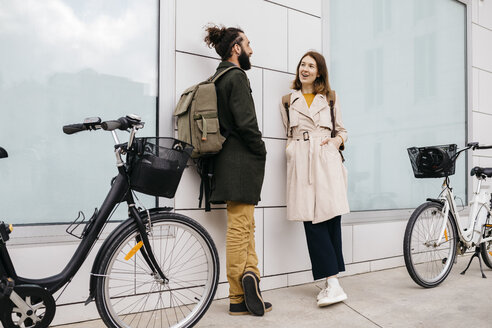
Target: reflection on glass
<point>62,61</point>
<point>399,69</point>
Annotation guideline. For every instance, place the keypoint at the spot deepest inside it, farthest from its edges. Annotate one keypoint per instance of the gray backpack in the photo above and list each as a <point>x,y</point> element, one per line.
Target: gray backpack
<point>197,119</point>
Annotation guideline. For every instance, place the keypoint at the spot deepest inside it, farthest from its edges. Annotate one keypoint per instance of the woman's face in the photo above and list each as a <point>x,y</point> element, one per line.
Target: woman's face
<point>308,71</point>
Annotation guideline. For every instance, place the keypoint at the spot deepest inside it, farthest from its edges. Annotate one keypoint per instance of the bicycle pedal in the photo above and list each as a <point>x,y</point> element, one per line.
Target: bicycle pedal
<point>6,287</point>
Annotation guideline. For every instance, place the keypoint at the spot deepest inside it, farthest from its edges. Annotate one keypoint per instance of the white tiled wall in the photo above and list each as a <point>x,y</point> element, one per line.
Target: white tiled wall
<point>484,88</point>
<point>481,128</point>
<point>275,85</point>
<point>484,13</point>
<point>312,7</point>
<point>304,35</point>
<point>264,23</point>
<point>273,191</point>
<point>285,244</point>
<point>482,47</point>
<point>377,240</point>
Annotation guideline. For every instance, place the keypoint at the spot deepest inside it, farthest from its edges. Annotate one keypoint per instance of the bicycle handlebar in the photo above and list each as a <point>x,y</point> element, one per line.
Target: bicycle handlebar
<point>94,123</point>
<point>475,146</point>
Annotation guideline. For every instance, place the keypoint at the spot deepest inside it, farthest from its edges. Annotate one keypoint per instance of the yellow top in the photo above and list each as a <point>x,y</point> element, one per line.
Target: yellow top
<point>309,98</point>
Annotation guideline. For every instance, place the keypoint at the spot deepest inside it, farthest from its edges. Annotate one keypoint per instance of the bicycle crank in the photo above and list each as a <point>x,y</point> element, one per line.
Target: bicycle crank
<point>31,306</point>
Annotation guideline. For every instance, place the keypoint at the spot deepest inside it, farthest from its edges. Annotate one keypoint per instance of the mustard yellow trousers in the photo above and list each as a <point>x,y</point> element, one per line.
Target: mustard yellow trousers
<point>240,247</point>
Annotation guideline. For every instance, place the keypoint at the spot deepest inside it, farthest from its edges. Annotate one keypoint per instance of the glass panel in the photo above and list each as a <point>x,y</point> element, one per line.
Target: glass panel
<point>62,61</point>
<point>399,70</point>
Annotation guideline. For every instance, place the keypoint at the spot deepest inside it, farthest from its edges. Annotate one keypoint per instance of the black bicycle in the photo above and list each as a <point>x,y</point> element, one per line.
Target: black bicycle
<point>156,269</point>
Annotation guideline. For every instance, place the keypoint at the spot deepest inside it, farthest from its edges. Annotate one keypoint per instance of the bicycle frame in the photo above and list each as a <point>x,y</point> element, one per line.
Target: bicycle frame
<point>117,193</point>
<point>449,204</point>
<point>120,191</point>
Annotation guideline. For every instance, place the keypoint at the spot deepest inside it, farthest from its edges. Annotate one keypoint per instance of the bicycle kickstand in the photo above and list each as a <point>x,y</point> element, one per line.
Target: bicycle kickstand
<point>477,255</point>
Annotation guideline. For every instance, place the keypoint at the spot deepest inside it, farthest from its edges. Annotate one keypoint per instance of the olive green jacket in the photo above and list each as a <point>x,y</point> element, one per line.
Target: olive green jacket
<point>239,168</point>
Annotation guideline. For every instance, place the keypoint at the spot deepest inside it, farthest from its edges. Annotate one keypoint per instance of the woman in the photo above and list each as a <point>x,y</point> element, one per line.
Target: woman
<point>316,176</point>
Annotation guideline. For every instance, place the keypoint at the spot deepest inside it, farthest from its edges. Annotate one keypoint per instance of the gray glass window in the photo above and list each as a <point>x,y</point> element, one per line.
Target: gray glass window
<point>399,68</point>
<point>62,61</point>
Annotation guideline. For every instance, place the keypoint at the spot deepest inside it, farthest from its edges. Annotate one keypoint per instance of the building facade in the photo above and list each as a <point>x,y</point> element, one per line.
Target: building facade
<point>410,73</point>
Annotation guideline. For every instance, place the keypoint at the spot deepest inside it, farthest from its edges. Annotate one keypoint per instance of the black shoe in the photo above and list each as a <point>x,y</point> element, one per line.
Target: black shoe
<point>252,296</point>
<point>268,305</point>
<point>238,309</point>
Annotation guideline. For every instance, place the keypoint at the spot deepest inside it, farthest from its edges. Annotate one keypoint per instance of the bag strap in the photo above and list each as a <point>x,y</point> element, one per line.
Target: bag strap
<point>332,113</point>
<point>286,102</point>
<point>205,170</point>
<point>333,131</point>
<point>215,77</point>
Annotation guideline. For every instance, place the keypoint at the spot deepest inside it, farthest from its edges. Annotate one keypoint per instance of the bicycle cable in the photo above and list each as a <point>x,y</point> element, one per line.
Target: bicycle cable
<point>462,203</point>
<point>475,223</point>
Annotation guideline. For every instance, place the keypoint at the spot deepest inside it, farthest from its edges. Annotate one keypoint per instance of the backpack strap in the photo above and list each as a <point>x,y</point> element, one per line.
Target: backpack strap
<point>205,170</point>
<point>215,77</point>
<point>286,102</point>
<point>332,98</point>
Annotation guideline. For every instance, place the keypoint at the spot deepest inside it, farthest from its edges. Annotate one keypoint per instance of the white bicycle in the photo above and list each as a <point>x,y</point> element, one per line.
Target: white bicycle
<point>435,233</point>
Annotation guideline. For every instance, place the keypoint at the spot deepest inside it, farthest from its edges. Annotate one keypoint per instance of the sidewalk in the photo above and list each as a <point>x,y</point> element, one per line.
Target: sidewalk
<point>386,298</point>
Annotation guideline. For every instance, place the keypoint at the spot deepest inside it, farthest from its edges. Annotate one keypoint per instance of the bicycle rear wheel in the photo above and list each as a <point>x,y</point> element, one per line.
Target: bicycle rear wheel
<point>486,249</point>
<point>129,295</point>
<point>428,263</point>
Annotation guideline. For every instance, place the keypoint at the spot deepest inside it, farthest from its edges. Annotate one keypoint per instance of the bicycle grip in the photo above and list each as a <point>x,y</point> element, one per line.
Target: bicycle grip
<point>74,128</point>
<point>121,123</point>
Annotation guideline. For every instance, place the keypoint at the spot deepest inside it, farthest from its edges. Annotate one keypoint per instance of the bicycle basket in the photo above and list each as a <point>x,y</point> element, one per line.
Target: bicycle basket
<point>155,165</point>
<point>432,161</point>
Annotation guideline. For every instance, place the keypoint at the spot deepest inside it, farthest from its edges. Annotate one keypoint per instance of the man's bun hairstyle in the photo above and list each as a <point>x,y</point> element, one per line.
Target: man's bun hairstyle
<point>222,39</point>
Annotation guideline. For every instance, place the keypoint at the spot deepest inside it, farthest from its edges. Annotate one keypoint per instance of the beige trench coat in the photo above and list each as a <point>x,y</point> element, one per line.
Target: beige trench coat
<point>316,176</point>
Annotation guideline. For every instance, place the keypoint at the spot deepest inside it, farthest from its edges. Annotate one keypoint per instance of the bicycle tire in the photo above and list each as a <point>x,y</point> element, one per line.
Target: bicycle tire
<point>486,253</point>
<point>427,265</point>
<point>128,295</point>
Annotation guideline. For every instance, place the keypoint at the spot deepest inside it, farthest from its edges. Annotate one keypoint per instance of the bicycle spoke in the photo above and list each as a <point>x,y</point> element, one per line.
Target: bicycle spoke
<point>135,297</point>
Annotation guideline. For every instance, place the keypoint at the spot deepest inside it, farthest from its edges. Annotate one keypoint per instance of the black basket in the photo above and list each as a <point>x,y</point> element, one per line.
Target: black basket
<point>155,165</point>
<point>433,161</point>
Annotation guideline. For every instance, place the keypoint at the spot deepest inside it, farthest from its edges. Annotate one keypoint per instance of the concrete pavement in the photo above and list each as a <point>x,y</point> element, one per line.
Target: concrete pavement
<point>386,298</point>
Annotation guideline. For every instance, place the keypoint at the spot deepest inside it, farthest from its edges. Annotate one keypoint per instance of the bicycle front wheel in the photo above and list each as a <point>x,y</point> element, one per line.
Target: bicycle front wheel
<point>129,295</point>
<point>428,262</point>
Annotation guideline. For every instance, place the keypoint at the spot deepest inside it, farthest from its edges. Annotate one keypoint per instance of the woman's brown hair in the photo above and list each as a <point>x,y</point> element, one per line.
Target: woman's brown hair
<point>321,83</point>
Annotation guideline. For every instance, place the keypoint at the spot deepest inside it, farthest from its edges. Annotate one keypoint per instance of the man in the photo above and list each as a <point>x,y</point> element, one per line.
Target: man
<point>239,168</point>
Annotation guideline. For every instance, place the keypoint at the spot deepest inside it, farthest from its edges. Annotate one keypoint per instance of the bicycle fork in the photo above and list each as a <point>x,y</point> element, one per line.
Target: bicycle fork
<point>146,250</point>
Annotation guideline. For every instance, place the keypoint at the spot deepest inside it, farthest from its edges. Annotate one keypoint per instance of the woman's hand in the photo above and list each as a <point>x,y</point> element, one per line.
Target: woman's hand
<point>337,141</point>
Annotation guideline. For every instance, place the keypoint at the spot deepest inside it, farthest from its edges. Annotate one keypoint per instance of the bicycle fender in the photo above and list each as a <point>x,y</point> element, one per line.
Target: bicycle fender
<point>109,240</point>
<point>435,200</point>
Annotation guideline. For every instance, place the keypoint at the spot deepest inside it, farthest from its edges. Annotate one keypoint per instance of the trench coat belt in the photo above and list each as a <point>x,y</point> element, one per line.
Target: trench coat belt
<point>309,136</point>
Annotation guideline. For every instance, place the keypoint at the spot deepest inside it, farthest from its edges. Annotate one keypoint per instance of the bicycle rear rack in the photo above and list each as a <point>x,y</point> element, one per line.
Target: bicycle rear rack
<point>74,230</point>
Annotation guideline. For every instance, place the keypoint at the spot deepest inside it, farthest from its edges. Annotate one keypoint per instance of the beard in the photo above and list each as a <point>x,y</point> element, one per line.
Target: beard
<point>243,59</point>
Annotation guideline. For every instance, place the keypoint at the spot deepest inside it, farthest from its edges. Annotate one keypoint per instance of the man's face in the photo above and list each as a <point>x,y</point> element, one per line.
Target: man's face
<point>246,52</point>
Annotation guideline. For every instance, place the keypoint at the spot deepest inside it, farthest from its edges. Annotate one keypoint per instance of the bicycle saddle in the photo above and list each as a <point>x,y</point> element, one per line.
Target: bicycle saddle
<point>3,153</point>
<point>480,171</point>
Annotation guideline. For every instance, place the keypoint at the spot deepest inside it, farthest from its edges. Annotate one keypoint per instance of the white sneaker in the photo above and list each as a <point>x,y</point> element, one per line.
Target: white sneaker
<point>331,295</point>
<point>323,293</point>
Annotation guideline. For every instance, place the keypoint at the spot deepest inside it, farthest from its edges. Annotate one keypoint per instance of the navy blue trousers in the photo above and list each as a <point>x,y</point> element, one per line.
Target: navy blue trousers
<point>324,242</point>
